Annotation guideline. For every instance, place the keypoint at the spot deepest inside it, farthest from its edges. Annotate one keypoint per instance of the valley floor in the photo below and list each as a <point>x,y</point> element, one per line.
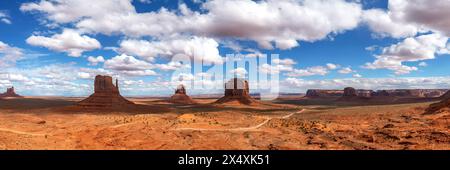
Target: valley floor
<point>39,123</point>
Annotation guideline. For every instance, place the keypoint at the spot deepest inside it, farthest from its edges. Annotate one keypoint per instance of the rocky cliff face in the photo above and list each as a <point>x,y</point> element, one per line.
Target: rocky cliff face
<point>106,95</point>
<point>442,106</point>
<point>10,92</point>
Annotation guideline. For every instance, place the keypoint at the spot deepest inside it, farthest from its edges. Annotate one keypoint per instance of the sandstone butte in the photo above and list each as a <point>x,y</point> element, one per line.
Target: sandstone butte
<point>106,95</point>
<point>181,97</point>
<point>237,90</point>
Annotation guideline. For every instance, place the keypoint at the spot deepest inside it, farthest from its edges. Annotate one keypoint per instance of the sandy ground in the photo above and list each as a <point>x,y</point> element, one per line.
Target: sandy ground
<point>45,123</point>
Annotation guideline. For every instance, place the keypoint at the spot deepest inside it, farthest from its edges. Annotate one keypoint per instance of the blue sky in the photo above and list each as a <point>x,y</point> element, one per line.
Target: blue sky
<point>48,47</point>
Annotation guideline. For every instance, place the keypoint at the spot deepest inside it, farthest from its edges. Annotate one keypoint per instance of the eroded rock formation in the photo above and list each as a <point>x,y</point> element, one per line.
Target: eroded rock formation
<point>10,92</point>
<point>419,93</point>
<point>181,97</point>
<point>350,92</point>
<point>443,105</point>
<point>402,93</point>
<point>323,93</point>
<point>238,90</point>
<point>106,95</point>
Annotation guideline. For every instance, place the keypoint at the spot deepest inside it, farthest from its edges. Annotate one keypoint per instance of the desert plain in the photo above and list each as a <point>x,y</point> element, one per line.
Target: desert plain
<point>291,123</point>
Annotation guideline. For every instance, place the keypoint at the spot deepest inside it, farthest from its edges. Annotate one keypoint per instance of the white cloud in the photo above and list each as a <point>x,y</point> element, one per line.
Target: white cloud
<point>357,75</point>
<point>266,22</point>
<point>9,55</point>
<point>145,1</point>
<point>66,11</point>
<point>332,66</point>
<point>310,71</point>
<point>277,66</point>
<point>171,66</point>
<point>286,61</point>
<point>84,75</point>
<point>55,79</point>
<point>93,61</point>
<point>129,65</point>
<point>431,15</point>
<point>239,72</point>
<point>382,23</point>
<point>422,64</point>
<point>414,49</point>
<point>4,17</point>
<point>407,18</point>
<point>6,20</point>
<point>346,70</point>
<point>69,41</point>
<point>282,22</point>
<point>198,48</point>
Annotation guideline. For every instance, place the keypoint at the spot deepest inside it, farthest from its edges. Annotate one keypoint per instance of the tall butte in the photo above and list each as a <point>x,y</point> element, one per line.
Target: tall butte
<point>106,95</point>
<point>10,93</point>
<point>237,90</point>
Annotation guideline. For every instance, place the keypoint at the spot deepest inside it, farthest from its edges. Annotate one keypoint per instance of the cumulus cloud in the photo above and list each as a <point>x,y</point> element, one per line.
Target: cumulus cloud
<point>382,23</point>
<point>407,18</point>
<point>277,66</point>
<point>9,55</point>
<point>198,48</point>
<point>69,41</point>
<point>93,61</point>
<point>423,47</point>
<point>171,66</point>
<point>128,65</point>
<point>428,14</point>
<point>283,23</point>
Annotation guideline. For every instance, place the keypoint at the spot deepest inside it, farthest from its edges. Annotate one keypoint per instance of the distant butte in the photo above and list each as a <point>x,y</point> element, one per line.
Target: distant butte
<point>106,95</point>
<point>237,90</point>
<point>181,97</point>
<point>10,92</point>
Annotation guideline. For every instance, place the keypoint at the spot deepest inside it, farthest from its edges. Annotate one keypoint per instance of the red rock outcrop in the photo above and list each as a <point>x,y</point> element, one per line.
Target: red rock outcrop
<point>443,105</point>
<point>445,95</point>
<point>237,90</point>
<point>324,93</point>
<point>10,92</point>
<point>411,93</point>
<point>353,95</point>
<point>106,95</point>
<point>350,92</point>
<point>181,97</point>
<point>364,93</point>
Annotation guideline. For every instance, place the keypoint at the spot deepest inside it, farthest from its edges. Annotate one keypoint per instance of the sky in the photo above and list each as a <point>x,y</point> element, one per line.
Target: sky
<point>57,47</point>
